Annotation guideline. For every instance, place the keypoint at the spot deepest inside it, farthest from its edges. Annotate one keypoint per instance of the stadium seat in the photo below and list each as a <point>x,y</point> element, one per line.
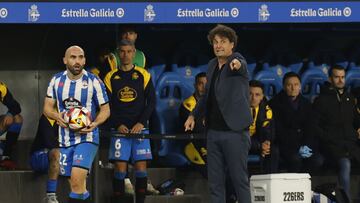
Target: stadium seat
<point>156,71</point>
<point>296,67</point>
<point>203,68</point>
<point>323,67</point>
<point>170,92</point>
<point>311,80</point>
<point>279,69</point>
<point>253,158</point>
<point>272,82</point>
<point>353,65</point>
<point>187,72</point>
<point>251,69</point>
<point>172,153</point>
<point>352,78</point>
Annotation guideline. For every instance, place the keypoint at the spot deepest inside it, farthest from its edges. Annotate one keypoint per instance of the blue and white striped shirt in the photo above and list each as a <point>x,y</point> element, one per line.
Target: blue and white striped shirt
<point>87,91</point>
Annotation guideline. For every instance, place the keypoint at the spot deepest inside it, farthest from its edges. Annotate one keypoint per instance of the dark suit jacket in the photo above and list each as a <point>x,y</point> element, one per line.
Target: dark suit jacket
<point>232,94</point>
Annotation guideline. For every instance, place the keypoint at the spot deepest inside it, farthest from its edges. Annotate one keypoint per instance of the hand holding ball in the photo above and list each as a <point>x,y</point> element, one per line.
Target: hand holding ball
<point>77,118</point>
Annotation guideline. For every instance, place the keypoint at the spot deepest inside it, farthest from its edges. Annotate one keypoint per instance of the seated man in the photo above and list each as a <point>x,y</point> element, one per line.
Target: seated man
<point>11,123</point>
<point>196,149</point>
<point>45,155</point>
<point>294,135</point>
<point>262,130</point>
<point>337,123</point>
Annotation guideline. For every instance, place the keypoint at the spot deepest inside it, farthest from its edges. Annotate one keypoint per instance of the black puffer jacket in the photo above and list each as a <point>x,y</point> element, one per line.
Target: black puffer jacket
<point>335,121</point>
<point>292,126</point>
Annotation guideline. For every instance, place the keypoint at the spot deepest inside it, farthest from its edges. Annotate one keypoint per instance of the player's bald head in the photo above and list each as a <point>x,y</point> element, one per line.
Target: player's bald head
<point>72,49</point>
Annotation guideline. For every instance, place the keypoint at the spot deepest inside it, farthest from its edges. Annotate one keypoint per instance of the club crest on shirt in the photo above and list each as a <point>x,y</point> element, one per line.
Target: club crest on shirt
<point>84,84</point>
<point>135,76</point>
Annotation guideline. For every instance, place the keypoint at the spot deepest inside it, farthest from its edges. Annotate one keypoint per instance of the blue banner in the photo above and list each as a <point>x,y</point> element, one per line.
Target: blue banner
<point>180,12</point>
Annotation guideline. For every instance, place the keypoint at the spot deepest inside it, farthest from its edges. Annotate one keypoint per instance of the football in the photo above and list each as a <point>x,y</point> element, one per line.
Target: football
<point>77,118</point>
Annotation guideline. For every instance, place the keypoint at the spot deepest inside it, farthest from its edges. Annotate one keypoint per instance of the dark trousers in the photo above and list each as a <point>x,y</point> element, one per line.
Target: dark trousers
<point>228,153</point>
<point>296,164</point>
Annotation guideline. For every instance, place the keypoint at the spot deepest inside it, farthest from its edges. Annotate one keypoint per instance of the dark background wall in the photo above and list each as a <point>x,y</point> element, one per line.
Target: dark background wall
<point>41,47</point>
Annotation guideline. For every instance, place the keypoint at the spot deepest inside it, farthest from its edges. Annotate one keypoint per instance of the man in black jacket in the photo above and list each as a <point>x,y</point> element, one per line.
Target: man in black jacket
<point>262,130</point>
<point>226,108</point>
<point>294,136</point>
<point>337,122</point>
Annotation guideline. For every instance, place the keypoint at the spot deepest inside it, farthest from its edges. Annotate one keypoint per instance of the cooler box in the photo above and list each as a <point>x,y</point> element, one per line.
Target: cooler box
<point>281,188</point>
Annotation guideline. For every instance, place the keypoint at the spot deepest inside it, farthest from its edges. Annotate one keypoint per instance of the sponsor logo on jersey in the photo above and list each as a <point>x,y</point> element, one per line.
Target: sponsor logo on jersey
<point>71,102</point>
<point>127,94</point>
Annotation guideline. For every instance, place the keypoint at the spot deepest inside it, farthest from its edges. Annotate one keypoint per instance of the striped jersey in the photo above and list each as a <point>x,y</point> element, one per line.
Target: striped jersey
<point>88,91</point>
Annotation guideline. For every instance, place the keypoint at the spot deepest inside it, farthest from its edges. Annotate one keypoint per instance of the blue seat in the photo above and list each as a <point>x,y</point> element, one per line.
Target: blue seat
<point>311,80</point>
<point>324,67</point>
<point>155,72</point>
<point>279,69</point>
<point>353,65</point>
<point>272,82</point>
<point>187,72</point>
<point>170,92</point>
<point>203,68</point>
<point>352,78</point>
<point>296,67</point>
<point>253,158</point>
<point>251,69</point>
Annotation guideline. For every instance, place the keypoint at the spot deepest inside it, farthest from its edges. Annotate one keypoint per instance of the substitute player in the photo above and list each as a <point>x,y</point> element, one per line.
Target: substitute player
<point>11,123</point>
<point>132,102</point>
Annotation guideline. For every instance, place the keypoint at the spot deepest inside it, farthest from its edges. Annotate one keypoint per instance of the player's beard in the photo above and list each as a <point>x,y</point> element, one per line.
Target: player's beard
<point>75,70</point>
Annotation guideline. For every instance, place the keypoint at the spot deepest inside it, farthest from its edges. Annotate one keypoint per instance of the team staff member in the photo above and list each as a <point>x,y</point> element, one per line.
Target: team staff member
<point>337,123</point>
<point>45,155</point>
<point>113,61</point>
<point>71,88</point>
<point>295,136</point>
<point>11,123</point>
<point>227,111</point>
<point>132,102</point>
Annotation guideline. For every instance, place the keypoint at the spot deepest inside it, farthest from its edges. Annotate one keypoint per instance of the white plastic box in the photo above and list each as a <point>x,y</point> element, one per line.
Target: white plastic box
<point>281,188</point>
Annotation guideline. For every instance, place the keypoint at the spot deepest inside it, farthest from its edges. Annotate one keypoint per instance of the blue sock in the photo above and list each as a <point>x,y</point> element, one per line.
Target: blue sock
<point>119,175</point>
<point>15,127</point>
<point>140,174</point>
<point>83,196</point>
<point>51,186</point>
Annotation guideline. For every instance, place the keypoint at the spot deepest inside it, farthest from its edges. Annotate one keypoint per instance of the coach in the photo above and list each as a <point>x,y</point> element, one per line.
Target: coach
<point>226,108</point>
